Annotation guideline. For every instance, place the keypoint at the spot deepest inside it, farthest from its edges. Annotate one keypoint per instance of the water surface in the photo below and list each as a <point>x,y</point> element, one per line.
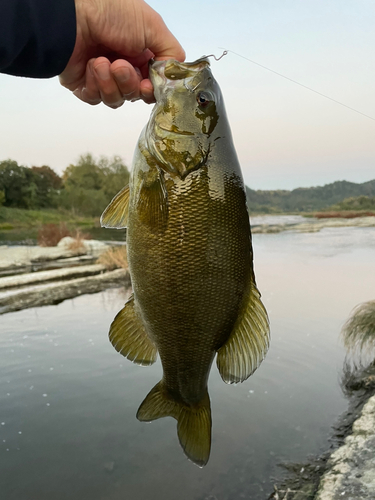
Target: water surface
<point>68,400</point>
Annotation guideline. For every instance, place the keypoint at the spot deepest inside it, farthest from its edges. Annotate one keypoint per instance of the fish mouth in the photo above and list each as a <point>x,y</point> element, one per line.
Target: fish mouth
<point>167,71</point>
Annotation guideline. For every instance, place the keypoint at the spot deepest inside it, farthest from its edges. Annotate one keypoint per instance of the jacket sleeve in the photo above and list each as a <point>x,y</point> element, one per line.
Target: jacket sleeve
<point>37,37</point>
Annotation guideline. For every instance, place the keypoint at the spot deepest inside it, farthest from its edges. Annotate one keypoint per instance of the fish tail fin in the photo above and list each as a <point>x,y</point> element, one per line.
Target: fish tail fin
<point>194,422</point>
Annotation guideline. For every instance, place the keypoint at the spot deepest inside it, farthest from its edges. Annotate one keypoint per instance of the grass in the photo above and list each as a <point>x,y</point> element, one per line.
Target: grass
<point>5,226</point>
<point>17,218</point>
<point>359,331</point>
<point>78,238</point>
<point>114,258</point>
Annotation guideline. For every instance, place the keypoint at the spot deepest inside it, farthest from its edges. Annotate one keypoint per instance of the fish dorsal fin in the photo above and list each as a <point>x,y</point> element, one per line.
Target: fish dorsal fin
<point>152,203</point>
<point>194,422</point>
<point>248,343</point>
<point>116,214</point>
<point>129,337</point>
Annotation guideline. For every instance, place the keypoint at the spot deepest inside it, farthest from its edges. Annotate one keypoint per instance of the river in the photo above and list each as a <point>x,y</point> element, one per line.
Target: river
<point>68,400</point>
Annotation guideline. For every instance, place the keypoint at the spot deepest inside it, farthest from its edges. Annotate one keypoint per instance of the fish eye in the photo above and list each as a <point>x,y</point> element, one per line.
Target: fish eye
<point>204,99</point>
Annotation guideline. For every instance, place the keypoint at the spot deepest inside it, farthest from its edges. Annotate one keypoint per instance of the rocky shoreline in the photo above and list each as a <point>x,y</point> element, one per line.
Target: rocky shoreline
<point>347,469</point>
<point>33,276</point>
<point>311,225</point>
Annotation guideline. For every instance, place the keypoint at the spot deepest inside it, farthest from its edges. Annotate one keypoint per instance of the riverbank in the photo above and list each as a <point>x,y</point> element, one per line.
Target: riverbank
<point>33,276</point>
<point>265,224</point>
<point>346,470</point>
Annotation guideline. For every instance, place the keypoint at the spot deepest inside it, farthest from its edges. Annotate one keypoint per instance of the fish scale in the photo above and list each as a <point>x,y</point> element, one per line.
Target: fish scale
<point>190,255</point>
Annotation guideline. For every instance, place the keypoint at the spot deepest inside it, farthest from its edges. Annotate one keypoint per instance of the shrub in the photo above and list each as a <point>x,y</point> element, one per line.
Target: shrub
<point>50,234</point>
<point>342,214</point>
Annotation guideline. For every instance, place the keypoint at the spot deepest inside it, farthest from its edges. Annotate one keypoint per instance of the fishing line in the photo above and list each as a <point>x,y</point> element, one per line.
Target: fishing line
<point>300,84</point>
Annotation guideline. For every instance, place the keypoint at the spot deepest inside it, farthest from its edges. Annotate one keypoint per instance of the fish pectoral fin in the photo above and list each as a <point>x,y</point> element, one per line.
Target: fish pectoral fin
<point>152,203</point>
<point>129,337</point>
<point>193,422</point>
<point>248,343</point>
<point>116,214</point>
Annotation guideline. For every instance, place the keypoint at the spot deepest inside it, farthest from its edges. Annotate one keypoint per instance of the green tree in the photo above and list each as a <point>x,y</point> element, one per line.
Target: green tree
<point>91,184</point>
<point>86,174</point>
<point>116,175</point>
<point>48,185</point>
<point>18,184</point>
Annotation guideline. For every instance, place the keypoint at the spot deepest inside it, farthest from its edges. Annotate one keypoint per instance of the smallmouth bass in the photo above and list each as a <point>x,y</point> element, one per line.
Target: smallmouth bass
<point>190,254</point>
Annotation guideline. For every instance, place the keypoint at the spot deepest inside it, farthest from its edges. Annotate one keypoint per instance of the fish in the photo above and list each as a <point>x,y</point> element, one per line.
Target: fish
<point>190,254</point>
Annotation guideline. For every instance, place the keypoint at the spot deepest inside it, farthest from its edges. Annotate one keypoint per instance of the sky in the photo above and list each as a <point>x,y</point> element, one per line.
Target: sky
<point>285,135</point>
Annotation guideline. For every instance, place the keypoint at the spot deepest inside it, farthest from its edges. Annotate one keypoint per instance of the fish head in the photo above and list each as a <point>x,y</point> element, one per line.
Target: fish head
<point>184,123</point>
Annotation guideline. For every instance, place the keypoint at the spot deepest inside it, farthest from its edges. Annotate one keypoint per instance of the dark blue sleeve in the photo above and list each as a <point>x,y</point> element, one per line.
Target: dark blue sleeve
<point>37,37</point>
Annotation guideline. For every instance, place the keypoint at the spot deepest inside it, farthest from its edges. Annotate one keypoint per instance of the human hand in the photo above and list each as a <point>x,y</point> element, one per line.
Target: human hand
<point>115,40</point>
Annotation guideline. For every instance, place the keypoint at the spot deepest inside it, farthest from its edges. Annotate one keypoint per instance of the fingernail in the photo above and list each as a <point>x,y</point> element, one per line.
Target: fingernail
<point>122,75</point>
<point>146,93</point>
<point>102,71</point>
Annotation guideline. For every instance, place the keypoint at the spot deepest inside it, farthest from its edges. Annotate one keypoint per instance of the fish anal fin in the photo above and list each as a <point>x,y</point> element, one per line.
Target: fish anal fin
<point>116,214</point>
<point>193,422</point>
<point>248,343</point>
<point>152,203</point>
<point>129,337</point>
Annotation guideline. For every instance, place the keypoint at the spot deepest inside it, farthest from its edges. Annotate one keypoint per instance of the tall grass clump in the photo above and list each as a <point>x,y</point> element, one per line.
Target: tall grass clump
<point>114,257</point>
<point>77,243</point>
<point>359,331</point>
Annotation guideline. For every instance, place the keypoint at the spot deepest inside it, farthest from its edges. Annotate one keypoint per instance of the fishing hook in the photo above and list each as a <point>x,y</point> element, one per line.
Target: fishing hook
<point>218,58</point>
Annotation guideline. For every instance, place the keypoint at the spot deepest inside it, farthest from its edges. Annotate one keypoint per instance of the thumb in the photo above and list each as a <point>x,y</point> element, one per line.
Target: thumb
<point>161,41</point>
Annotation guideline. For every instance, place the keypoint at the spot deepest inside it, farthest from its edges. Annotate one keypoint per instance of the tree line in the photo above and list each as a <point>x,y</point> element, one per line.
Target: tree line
<point>84,188</point>
<point>356,196</point>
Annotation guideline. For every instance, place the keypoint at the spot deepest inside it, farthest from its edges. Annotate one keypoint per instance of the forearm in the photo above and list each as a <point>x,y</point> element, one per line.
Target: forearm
<point>37,37</point>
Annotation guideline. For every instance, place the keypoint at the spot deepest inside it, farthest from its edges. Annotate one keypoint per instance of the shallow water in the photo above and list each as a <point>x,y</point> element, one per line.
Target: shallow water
<point>68,399</point>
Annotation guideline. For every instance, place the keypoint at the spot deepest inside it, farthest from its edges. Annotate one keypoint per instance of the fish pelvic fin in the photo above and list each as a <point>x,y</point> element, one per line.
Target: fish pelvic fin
<point>129,337</point>
<point>193,422</point>
<point>248,343</point>
<point>116,214</point>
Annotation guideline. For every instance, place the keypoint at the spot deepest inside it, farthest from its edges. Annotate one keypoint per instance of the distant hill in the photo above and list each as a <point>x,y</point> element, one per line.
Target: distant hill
<point>306,199</point>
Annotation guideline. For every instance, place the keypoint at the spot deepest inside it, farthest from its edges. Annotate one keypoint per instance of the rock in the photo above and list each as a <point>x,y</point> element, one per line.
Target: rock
<point>94,245</point>
<point>87,246</point>
<point>351,467</point>
<point>53,293</point>
<point>66,242</point>
<point>53,275</point>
